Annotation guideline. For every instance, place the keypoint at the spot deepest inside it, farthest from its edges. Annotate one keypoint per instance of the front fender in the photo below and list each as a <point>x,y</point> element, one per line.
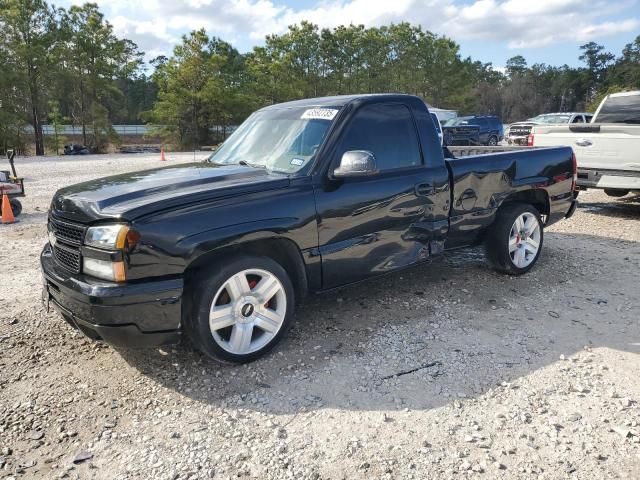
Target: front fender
<point>173,240</point>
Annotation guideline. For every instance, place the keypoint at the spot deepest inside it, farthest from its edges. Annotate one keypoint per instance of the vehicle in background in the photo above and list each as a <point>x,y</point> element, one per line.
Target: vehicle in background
<point>436,123</point>
<point>11,185</point>
<point>607,149</point>
<point>519,131</point>
<point>305,196</point>
<point>442,113</point>
<point>473,130</point>
<point>75,149</point>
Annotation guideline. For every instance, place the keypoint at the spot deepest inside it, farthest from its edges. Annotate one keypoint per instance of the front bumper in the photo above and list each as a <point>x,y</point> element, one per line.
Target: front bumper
<point>130,315</point>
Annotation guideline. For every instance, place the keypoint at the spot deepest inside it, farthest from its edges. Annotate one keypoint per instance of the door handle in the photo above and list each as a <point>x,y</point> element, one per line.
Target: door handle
<point>584,142</point>
<point>424,190</point>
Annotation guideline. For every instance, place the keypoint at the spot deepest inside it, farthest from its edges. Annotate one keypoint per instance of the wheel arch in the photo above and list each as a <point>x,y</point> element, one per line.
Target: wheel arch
<point>539,198</point>
<point>282,250</point>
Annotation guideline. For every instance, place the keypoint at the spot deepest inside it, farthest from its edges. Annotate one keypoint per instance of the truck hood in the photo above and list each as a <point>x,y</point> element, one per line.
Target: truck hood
<point>132,195</point>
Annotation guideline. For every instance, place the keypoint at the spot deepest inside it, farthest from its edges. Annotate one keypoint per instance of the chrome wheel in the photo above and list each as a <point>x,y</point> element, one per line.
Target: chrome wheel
<point>524,240</point>
<point>247,311</point>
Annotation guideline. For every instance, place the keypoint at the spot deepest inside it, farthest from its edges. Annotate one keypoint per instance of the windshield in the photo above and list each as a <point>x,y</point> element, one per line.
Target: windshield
<point>280,139</point>
<point>620,109</point>
<point>454,122</point>
<point>551,119</point>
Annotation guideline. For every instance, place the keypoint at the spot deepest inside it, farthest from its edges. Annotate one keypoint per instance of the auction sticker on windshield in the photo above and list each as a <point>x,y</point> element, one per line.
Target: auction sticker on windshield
<point>319,114</point>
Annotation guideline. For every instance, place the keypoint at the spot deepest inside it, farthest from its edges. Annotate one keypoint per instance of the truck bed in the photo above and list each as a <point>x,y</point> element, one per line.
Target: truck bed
<point>482,177</point>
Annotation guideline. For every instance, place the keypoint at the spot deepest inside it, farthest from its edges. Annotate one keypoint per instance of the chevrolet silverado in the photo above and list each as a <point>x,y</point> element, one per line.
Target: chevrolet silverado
<point>304,196</point>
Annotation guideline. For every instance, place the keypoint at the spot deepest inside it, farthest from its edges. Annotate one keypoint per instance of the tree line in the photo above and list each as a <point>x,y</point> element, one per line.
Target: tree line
<point>68,67</point>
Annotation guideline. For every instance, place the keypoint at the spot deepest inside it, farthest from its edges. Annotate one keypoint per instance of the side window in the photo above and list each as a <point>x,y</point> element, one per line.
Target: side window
<point>484,124</point>
<point>388,132</point>
<point>587,118</point>
<point>578,119</point>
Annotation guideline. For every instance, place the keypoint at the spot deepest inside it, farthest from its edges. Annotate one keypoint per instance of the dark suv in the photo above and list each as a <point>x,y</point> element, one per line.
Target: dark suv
<point>483,130</point>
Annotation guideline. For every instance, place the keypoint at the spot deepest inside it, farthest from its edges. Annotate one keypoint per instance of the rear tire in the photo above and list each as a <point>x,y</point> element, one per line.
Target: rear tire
<point>514,241</point>
<point>240,309</point>
<point>493,141</point>
<point>616,193</point>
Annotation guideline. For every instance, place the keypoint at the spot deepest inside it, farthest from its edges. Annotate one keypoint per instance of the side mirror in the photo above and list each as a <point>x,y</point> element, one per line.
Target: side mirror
<point>356,163</point>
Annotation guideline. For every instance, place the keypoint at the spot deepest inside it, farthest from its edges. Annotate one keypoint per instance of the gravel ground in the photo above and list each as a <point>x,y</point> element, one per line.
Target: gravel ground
<point>449,370</point>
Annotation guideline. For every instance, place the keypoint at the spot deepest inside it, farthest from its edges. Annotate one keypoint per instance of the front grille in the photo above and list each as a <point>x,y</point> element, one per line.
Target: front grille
<point>67,257</point>
<point>67,232</point>
<point>519,131</point>
<point>68,239</point>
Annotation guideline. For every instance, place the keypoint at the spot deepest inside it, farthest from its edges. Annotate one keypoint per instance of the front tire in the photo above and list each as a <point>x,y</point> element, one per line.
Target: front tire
<point>514,241</point>
<point>241,309</point>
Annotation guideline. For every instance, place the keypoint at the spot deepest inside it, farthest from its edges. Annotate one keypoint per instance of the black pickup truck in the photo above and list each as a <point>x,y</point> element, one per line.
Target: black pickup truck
<point>305,196</point>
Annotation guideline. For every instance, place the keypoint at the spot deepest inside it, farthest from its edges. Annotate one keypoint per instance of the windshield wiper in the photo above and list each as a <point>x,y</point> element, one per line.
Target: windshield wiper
<point>247,164</point>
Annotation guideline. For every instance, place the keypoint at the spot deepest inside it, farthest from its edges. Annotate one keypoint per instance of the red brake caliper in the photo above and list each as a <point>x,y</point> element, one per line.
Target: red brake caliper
<point>252,285</point>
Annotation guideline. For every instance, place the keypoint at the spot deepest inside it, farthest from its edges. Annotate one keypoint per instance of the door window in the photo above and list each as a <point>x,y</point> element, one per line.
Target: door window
<point>387,131</point>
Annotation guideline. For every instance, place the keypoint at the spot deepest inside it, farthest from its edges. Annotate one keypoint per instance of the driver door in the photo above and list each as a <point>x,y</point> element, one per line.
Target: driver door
<point>365,223</point>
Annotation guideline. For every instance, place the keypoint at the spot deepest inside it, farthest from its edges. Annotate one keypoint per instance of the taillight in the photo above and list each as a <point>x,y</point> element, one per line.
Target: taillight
<point>574,166</point>
<point>530,140</point>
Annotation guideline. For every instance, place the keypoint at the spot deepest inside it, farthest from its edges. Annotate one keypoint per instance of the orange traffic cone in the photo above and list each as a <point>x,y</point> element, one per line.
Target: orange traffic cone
<point>7,211</point>
<point>162,158</point>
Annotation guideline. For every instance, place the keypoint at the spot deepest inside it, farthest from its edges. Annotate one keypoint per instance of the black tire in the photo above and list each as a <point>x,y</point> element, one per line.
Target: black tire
<point>203,290</point>
<point>493,141</point>
<point>16,207</point>
<point>616,193</point>
<point>497,239</point>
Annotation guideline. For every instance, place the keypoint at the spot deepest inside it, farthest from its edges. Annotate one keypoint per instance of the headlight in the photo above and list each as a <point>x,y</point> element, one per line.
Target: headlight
<point>108,265</point>
<point>106,236</point>
<point>105,269</point>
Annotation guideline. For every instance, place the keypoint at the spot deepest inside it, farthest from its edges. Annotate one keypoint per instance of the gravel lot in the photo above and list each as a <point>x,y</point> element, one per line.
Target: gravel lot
<point>449,370</point>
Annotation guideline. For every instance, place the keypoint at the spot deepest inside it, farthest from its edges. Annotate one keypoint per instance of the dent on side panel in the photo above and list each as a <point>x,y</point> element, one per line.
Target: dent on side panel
<point>481,184</point>
<point>477,193</point>
<point>361,235</point>
<point>375,253</point>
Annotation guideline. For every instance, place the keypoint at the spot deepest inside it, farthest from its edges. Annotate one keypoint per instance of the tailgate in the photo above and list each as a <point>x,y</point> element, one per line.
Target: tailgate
<point>603,146</point>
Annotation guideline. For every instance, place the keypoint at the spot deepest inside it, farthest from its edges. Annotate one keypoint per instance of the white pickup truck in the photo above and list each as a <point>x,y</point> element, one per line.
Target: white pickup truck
<point>607,149</point>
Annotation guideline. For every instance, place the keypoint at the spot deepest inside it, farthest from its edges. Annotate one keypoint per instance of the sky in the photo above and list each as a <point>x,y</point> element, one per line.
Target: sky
<point>543,31</point>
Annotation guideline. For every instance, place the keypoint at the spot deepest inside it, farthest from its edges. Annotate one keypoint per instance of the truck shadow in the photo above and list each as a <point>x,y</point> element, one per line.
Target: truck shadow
<point>626,207</point>
<point>422,338</point>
